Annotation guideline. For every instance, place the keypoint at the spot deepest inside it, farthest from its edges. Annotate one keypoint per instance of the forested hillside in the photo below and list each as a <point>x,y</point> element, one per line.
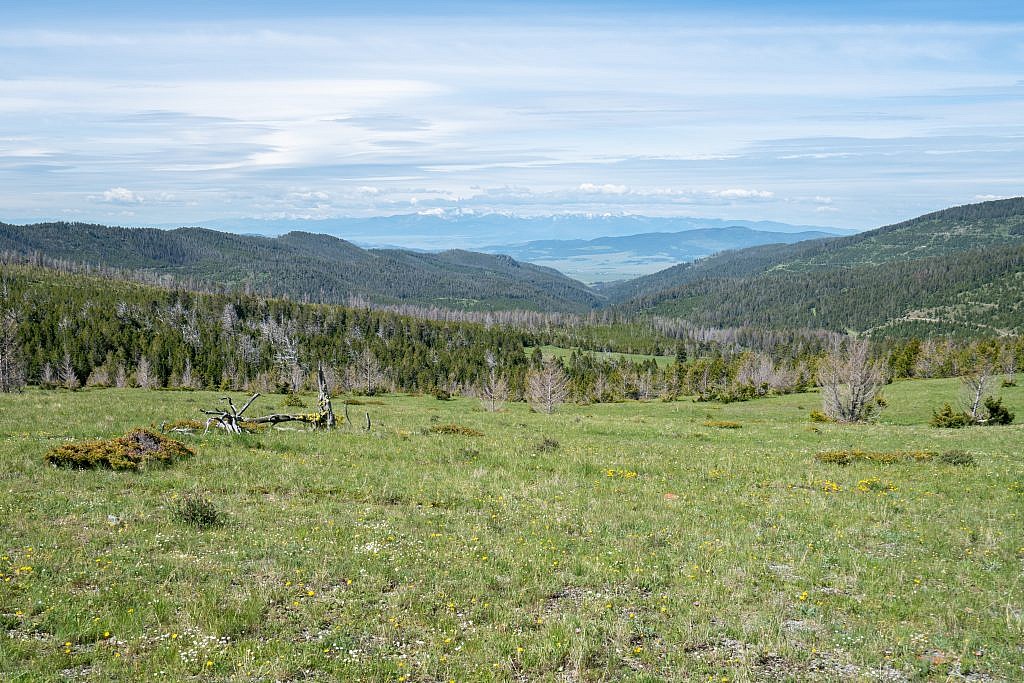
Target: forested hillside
<point>950,231</point>
<point>959,271</point>
<point>306,266</point>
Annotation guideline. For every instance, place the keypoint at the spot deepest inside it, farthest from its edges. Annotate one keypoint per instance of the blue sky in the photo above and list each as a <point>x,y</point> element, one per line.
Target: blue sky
<point>852,114</point>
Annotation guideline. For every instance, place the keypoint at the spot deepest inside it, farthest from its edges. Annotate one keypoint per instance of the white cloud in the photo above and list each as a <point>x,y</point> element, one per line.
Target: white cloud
<point>309,195</point>
<point>121,195</point>
<point>740,193</point>
<point>607,188</point>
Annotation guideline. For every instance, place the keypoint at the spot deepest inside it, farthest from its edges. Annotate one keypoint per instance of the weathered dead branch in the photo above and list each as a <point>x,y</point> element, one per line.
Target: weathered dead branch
<point>233,420</point>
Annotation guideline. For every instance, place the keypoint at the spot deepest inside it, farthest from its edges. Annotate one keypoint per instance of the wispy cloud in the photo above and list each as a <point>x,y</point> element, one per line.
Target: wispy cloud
<point>613,110</point>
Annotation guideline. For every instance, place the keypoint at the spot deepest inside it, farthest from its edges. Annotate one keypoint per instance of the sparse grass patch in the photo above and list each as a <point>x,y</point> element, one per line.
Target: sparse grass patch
<point>133,451</point>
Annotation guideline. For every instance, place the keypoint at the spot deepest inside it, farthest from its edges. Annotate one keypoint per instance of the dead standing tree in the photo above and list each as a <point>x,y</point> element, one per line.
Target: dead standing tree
<point>548,387</point>
<point>850,382</point>
<point>233,419</point>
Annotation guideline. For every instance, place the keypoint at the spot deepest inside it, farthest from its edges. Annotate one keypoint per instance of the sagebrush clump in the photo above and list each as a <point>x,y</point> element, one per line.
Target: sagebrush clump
<point>197,510</point>
<point>722,424</point>
<point>452,428</point>
<point>136,450</point>
<point>957,457</point>
<point>880,457</point>
<point>547,445</point>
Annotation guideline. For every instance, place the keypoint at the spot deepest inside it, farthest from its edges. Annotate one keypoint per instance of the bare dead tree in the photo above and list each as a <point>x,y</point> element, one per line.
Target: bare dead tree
<point>548,387</point>
<point>365,372</point>
<point>977,383</point>
<point>602,387</point>
<point>99,377</point>
<point>1008,364</point>
<point>12,364</point>
<point>494,392</point>
<point>120,376</point>
<point>850,381</point>
<point>47,377</point>
<point>645,385</point>
<point>187,380</point>
<point>144,374</point>
<point>66,374</point>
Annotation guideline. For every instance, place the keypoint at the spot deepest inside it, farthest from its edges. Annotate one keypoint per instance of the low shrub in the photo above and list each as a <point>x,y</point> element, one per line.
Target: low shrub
<point>879,457</point>
<point>136,450</point>
<point>293,400</point>
<point>547,445</point>
<point>722,424</point>
<point>452,428</point>
<point>957,457</point>
<point>197,510</point>
<point>875,485</point>
<point>997,412</point>
<point>818,416</point>
<point>182,426</point>
<point>442,395</point>
<point>950,418</point>
<point>1007,383</point>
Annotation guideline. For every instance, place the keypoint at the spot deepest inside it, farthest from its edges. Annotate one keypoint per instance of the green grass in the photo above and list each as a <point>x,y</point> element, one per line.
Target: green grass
<point>560,352</point>
<point>644,547</point>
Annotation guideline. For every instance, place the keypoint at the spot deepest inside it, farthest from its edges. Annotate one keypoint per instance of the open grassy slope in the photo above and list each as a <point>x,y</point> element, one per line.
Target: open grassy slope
<point>562,352</point>
<point>648,546</point>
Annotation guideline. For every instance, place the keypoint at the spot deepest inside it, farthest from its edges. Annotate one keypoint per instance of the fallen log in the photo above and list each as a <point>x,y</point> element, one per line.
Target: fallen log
<point>233,419</point>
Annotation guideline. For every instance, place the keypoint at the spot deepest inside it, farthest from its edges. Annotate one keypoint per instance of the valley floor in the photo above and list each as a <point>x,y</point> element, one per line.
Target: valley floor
<point>647,545</point>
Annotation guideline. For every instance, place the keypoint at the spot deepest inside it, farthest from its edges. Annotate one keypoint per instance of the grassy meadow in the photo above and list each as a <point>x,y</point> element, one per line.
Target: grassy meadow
<point>549,351</point>
<point>646,545</point>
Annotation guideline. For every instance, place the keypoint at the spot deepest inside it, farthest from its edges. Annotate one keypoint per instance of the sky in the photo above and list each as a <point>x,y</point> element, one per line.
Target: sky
<point>845,114</point>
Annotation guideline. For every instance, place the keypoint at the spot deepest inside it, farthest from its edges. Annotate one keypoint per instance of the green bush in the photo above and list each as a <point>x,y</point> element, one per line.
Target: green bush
<point>950,418</point>
<point>442,395</point>
<point>197,510</point>
<point>134,451</point>
<point>818,416</point>
<point>997,412</point>
<point>293,400</point>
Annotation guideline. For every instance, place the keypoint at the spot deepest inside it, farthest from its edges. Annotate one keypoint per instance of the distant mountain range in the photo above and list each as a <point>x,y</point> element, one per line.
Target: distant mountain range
<point>617,258</point>
<point>446,230</point>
